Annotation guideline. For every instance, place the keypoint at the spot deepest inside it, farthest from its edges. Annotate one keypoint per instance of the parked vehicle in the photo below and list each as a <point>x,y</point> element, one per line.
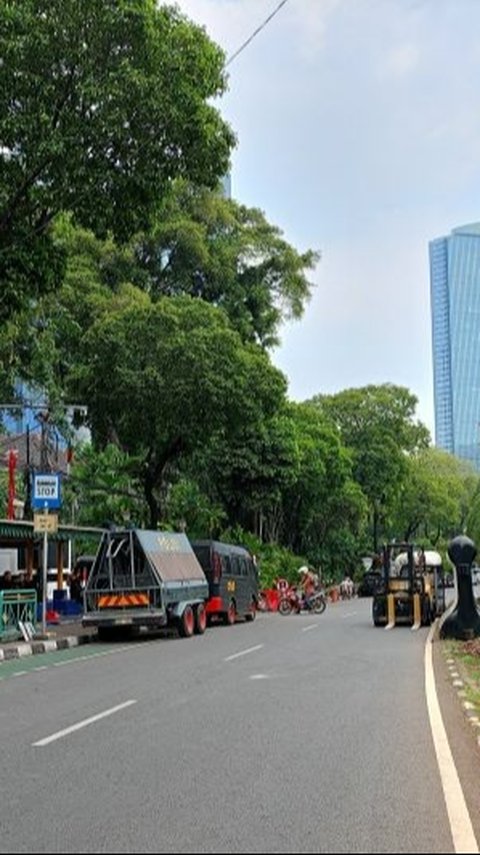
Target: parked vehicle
<point>232,580</point>
<point>292,601</point>
<point>412,592</point>
<point>145,579</point>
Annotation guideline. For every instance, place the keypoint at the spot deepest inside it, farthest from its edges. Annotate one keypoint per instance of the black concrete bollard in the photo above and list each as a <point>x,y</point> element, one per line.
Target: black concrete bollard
<point>463,622</point>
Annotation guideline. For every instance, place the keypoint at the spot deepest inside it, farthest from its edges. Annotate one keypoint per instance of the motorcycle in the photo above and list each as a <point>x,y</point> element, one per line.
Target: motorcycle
<point>292,601</point>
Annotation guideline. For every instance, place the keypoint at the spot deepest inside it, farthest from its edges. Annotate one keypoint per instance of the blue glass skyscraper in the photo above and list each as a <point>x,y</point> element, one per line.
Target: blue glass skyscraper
<point>455,302</point>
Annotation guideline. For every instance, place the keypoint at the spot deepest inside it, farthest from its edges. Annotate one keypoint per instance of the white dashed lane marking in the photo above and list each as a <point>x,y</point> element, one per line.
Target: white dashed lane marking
<point>79,725</point>
<point>243,653</point>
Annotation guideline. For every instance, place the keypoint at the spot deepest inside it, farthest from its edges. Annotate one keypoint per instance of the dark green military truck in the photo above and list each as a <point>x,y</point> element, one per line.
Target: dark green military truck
<point>148,579</point>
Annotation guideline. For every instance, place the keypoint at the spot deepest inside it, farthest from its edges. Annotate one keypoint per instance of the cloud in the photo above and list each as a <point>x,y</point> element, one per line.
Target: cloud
<point>402,60</point>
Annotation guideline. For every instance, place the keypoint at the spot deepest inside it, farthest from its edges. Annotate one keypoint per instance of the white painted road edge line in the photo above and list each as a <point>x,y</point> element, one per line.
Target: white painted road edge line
<point>308,628</point>
<point>461,828</point>
<point>80,724</point>
<point>243,652</point>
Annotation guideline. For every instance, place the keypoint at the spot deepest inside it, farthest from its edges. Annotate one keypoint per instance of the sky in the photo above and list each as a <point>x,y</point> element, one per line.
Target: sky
<point>358,127</point>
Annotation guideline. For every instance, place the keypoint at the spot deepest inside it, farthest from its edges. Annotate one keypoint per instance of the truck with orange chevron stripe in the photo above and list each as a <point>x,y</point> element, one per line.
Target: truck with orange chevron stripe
<point>147,579</point>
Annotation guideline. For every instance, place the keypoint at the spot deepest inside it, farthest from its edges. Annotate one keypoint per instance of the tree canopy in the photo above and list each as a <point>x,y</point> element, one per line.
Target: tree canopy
<point>377,423</point>
<point>229,255</point>
<point>102,104</point>
<point>161,380</point>
<point>435,497</point>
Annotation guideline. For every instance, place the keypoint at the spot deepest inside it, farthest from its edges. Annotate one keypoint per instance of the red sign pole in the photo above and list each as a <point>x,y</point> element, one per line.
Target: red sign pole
<point>12,462</point>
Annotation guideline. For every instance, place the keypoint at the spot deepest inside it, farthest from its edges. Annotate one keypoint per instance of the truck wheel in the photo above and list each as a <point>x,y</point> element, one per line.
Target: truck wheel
<point>250,615</point>
<point>379,611</point>
<point>186,625</point>
<point>200,619</point>
<point>427,612</point>
<point>230,614</point>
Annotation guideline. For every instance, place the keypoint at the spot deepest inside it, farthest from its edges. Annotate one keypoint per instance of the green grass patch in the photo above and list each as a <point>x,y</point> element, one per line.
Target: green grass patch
<point>466,655</point>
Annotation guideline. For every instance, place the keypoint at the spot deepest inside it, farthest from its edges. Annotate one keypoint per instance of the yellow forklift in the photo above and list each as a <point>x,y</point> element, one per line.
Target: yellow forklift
<point>412,592</point>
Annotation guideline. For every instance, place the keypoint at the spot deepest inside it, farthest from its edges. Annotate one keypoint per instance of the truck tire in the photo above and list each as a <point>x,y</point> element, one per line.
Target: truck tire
<point>186,623</point>
<point>200,619</point>
<point>252,612</point>
<point>428,613</point>
<point>231,614</point>
<point>379,611</point>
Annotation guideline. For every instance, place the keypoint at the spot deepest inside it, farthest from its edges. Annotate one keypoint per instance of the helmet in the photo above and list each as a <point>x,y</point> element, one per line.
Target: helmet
<point>303,570</point>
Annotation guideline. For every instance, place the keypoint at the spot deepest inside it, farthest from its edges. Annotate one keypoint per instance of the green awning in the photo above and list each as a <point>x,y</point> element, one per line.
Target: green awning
<point>21,530</point>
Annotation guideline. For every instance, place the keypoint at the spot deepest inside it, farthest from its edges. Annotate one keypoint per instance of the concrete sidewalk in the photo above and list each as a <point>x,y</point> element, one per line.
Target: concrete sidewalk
<point>67,633</point>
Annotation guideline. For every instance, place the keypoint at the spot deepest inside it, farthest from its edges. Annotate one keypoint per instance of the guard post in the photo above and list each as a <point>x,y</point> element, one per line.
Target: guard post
<point>463,621</point>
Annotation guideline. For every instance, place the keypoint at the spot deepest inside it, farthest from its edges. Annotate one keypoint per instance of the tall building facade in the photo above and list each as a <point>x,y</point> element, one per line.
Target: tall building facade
<point>455,305</point>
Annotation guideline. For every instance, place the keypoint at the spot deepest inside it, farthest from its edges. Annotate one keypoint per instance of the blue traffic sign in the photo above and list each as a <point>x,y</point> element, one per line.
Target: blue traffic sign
<point>46,490</point>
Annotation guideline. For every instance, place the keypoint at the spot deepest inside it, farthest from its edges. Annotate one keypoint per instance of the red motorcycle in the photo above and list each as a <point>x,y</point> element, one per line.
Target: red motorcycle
<point>292,601</point>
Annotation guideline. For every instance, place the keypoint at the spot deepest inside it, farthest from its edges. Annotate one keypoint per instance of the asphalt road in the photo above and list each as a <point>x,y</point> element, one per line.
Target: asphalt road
<point>291,734</point>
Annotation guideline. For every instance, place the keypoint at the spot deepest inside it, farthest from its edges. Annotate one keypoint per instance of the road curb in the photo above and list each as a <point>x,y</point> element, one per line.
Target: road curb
<point>47,646</point>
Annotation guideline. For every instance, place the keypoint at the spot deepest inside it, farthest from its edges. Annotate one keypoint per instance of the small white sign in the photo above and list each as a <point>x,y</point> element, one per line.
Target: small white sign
<point>46,490</point>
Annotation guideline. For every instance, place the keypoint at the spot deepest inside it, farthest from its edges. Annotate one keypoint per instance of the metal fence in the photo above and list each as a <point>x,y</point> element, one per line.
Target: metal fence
<point>16,606</point>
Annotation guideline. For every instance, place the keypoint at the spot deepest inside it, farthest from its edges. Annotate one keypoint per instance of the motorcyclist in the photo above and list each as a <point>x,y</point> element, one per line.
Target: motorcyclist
<point>308,584</point>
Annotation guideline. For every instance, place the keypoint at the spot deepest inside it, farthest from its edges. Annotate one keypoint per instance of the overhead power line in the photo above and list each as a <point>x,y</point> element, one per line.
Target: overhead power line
<point>256,32</point>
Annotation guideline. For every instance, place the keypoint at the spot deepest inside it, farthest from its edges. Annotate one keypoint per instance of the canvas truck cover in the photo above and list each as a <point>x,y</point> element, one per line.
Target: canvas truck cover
<point>171,555</point>
<point>131,558</point>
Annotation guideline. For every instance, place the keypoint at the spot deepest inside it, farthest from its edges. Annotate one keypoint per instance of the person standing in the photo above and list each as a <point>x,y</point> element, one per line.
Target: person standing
<point>76,587</point>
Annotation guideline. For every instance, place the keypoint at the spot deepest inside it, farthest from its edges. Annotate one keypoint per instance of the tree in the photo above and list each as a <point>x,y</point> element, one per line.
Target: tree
<point>160,381</point>
<point>102,104</point>
<point>102,488</point>
<point>48,340</point>
<point>229,255</point>
<point>248,473</point>
<point>435,498</point>
<point>289,482</point>
<point>324,509</point>
<point>377,424</point>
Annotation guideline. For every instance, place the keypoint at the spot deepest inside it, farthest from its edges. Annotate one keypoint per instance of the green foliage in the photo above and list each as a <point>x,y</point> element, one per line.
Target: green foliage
<point>323,498</point>
<point>161,380</point>
<point>435,497</point>
<point>102,489</point>
<point>192,511</point>
<point>102,104</point>
<point>49,340</point>
<point>377,424</point>
<point>473,516</point>
<point>289,482</point>
<point>31,264</point>
<point>273,561</point>
<point>229,255</point>
<point>249,472</point>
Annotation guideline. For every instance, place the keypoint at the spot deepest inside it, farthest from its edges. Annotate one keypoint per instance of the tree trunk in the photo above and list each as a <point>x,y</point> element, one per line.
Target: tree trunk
<point>153,504</point>
<point>375,529</point>
<point>154,475</point>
